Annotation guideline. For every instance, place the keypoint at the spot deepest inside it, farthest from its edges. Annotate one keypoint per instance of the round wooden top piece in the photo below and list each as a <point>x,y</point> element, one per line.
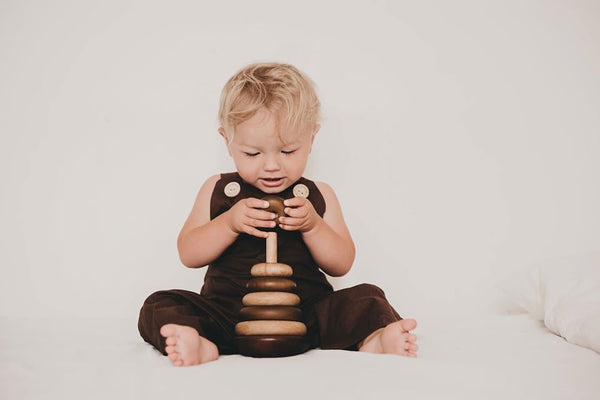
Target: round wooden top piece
<point>275,205</point>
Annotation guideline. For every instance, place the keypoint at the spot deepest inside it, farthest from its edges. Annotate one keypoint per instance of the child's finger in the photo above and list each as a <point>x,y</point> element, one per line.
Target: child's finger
<point>257,223</point>
<point>294,202</point>
<point>253,202</point>
<point>255,232</point>
<point>288,227</point>
<point>290,222</point>
<point>300,212</point>
<point>261,215</point>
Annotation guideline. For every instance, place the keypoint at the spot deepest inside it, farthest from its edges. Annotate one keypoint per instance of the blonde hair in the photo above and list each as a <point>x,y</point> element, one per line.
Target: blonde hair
<point>281,88</point>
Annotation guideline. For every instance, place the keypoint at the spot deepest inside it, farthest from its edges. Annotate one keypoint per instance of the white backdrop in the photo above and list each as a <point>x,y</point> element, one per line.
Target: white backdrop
<point>462,138</point>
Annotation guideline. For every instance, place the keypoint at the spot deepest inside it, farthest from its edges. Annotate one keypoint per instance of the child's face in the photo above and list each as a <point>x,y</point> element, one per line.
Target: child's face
<point>265,161</point>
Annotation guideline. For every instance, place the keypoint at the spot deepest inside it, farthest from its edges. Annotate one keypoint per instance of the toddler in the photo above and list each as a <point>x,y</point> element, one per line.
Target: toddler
<point>269,116</point>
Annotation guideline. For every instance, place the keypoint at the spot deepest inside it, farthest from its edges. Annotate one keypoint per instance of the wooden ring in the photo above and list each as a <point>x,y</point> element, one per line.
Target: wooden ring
<point>271,284</point>
<point>271,299</point>
<point>248,328</point>
<point>270,312</point>
<point>271,269</point>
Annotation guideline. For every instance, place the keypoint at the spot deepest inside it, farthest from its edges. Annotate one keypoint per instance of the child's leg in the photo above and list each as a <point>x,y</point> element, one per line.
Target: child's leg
<point>361,318</point>
<point>186,326</point>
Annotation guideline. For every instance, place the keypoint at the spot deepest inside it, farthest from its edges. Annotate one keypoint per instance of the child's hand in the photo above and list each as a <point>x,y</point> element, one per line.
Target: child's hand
<point>301,215</point>
<point>247,215</point>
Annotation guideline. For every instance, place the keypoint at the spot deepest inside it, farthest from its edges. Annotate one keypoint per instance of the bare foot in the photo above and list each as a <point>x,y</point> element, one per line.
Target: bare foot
<point>393,339</point>
<point>186,347</point>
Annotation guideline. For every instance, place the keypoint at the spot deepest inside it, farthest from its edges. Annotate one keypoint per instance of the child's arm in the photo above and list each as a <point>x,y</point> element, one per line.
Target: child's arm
<point>203,240</point>
<point>327,238</point>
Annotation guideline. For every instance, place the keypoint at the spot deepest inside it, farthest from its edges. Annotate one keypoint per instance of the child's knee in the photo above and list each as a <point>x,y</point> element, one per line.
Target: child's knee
<point>369,289</point>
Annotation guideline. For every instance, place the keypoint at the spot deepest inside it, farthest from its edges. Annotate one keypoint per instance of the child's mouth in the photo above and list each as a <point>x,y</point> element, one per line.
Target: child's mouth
<point>271,181</point>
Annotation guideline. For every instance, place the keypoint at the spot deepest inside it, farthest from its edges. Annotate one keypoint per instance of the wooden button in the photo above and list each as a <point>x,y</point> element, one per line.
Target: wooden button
<point>270,328</point>
<point>275,205</point>
<point>271,346</point>
<point>301,190</point>
<point>232,189</point>
<point>271,312</point>
<point>271,269</point>
<point>271,284</point>
<point>271,299</point>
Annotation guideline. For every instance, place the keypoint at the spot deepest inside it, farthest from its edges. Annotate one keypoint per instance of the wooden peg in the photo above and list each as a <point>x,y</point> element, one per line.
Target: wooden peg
<point>272,248</point>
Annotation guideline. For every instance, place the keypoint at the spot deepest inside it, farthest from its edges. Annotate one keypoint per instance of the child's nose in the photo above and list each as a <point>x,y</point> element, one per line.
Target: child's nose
<point>272,163</point>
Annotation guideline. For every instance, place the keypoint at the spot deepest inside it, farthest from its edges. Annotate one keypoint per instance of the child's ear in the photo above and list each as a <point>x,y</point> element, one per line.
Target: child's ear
<point>227,141</point>
<point>222,133</point>
<point>312,136</point>
<point>316,130</point>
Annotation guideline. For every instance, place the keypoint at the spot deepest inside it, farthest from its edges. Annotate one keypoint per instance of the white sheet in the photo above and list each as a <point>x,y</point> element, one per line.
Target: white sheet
<point>495,357</point>
<point>564,293</point>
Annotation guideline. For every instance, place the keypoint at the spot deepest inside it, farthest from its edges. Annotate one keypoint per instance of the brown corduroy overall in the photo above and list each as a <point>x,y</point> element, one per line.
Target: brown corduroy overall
<point>334,319</point>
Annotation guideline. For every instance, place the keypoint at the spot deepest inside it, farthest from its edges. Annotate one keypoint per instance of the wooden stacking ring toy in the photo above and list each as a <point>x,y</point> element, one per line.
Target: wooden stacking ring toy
<point>270,325</point>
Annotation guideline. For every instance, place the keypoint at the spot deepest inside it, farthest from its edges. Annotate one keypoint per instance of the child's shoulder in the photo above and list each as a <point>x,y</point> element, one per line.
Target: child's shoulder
<point>210,183</point>
<point>207,188</point>
<point>226,182</point>
<point>332,204</point>
<point>329,197</point>
<point>326,190</point>
<point>323,186</point>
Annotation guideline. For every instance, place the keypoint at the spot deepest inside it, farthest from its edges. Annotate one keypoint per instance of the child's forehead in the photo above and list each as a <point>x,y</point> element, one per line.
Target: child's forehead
<point>267,119</point>
<point>265,125</point>
<point>260,139</point>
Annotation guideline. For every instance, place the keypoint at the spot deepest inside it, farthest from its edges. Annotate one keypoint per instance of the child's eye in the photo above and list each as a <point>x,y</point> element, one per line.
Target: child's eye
<point>251,154</point>
<point>288,151</point>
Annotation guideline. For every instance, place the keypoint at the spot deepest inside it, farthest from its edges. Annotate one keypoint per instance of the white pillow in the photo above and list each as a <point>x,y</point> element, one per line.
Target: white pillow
<point>565,294</point>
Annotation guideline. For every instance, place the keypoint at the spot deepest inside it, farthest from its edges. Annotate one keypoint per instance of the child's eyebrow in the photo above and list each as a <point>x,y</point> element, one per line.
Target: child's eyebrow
<point>248,145</point>
<point>292,143</point>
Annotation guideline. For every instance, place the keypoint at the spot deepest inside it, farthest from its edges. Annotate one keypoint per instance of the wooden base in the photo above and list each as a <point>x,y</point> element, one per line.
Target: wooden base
<point>271,346</point>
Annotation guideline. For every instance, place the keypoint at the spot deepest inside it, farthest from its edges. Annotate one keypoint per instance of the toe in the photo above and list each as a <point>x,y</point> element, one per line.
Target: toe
<point>413,348</point>
<point>174,357</point>
<point>171,349</point>
<point>408,324</point>
<point>168,330</point>
<point>412,338</point>
<point>171,341</point>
